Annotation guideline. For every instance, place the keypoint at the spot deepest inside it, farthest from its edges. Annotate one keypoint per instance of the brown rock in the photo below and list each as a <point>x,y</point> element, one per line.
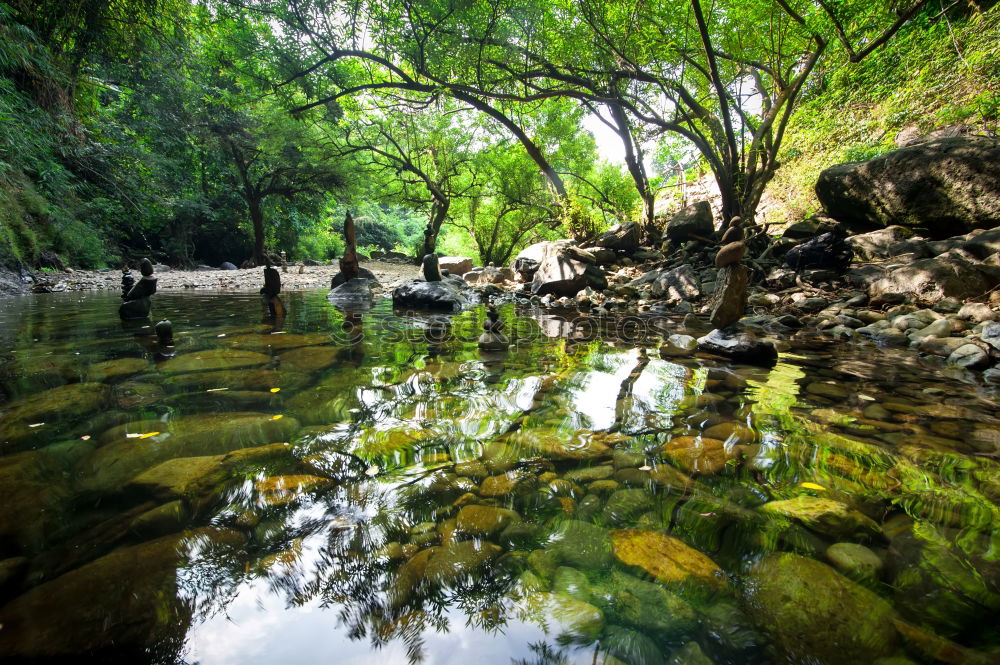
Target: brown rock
<point>730,253</point>
<point>731,295</point>
<point>700,455</point>
<point>666,558</point>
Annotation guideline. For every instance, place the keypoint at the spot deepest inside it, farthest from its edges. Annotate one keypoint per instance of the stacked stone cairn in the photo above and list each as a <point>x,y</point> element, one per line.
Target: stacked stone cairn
<point>731,294</point>
<point>493,338</point>
<point>137,304</point>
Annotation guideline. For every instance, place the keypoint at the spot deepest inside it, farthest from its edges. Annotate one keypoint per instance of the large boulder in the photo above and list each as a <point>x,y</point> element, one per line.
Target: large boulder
<point>741,347</point>
<point>364,273</point>
<point>445,295</point>
<point>622,236</point>
<point>564,276</point>
<point>456,265</point>
<point>527,261</point>
<point>355,294</point>
<point>876,244</point>
<point>815,615</point>
<point>681,283</point>
<point>693,221</point>
<point>942,186</point>
<point>825,251</point>
<point>935,279</point>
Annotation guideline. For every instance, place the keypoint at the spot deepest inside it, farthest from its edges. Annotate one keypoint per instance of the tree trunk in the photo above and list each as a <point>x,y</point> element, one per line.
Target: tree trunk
<point>257,218</point>
<point>439,212</point>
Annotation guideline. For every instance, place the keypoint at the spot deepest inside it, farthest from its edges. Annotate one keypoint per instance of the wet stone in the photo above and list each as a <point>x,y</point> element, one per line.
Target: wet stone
<point>589,474</point>
<point>582,545</point>
<point>667,559</point>
<point>626,504</point>
<point>484,520</point>
<point>794,596</point>
<point>855,561</point>
<point>825,516</point>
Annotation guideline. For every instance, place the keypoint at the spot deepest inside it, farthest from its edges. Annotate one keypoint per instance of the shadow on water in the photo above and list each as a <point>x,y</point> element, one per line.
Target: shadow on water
<point>354,487</point>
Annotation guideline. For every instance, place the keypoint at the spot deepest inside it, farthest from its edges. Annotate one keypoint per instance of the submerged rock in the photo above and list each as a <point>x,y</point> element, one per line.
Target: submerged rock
<point>582,545</point>
<point>564,616</point>
<point>813,614</point>
<point>484,520</point>
<point>667,559</point>
<point>214,359</point>
<point>825,516</point>
<point>112,465</point>
<point>128,599</point>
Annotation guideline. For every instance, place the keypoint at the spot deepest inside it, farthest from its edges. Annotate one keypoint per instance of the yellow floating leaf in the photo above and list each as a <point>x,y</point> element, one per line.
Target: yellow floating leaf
<point>147,435</point>
<point>274,390</point>
<point>277,417</point>
<point>812,486</point>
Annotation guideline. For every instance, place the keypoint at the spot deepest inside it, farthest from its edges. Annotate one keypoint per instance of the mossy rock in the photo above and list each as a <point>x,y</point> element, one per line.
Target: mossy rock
<point>484,520</point>
<point>582,545</point>
<point>111,466</point>
<point>130,395</point>
<point>625,505</point>
<point>630,646</point>
<point>113,370</point>
<point>459,562</point>
<point>33,420</point>
<point>276,341</point>
<point>813,614</point>
<point>213,360</point>
<point>698,455</point>
<point>324,405</point>
<point>311,358</point>
<point>667,559</point>
<point>236,379</point>
<point>36,500</point>
<point>646,606</point>
<point>564,616</point>
<point>826,516</point>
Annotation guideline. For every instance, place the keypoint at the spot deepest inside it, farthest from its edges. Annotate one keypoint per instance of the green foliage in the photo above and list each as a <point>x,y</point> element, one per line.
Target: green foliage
<point>940,71</point>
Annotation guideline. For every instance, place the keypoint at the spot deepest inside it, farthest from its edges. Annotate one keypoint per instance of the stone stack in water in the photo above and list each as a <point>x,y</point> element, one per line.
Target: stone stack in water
<point>731,293</point>
<point>137,304</point>
<point>493,338</point>
<point>436,291</point>
<point>352,286</point>
<point>269,292</point>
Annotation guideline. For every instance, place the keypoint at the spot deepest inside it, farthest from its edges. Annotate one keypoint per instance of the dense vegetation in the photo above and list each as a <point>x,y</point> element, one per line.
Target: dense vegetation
<point>199,132</point>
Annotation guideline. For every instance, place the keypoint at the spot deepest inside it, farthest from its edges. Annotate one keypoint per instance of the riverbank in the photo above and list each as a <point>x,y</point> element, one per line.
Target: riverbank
<point>293,278</point>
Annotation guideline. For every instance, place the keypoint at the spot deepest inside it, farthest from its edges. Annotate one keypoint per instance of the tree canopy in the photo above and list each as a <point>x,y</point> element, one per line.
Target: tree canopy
<point>227,129</point>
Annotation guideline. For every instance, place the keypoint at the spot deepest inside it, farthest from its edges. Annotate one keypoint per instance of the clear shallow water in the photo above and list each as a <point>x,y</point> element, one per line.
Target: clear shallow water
<point>373,488</point>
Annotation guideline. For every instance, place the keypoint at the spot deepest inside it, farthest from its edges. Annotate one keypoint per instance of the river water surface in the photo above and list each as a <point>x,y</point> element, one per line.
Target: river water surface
<point>359,488</point>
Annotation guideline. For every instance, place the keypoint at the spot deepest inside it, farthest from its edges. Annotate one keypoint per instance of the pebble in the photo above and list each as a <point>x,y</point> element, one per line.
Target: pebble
<point>968,355</point>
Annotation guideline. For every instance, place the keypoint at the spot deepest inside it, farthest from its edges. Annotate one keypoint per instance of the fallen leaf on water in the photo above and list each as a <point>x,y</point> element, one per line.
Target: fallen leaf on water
<point>706,514</point>
<point>812,486</point>
<point>85,437</point>
<point>371,471</point>
<point>274,390</point>
<point>36,424</point>
<point>277,417</point>
<point>645,468</point>
<point>147,435</point>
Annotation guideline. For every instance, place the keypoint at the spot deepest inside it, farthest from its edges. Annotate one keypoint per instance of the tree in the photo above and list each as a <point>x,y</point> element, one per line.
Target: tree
<point>273,154</point>
<point>426,143</point>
